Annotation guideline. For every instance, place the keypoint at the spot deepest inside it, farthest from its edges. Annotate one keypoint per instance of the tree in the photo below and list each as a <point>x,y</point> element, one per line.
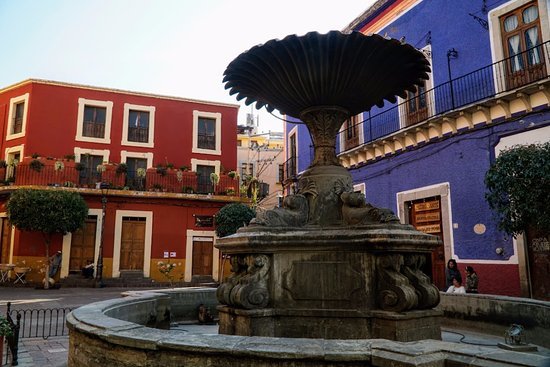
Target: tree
<point>232,217</point>
<point>47,211</point>
<point>518,188</point>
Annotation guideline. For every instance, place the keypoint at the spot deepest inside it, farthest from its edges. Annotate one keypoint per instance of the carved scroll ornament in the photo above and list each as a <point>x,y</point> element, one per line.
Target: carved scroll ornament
<point>247,287</point>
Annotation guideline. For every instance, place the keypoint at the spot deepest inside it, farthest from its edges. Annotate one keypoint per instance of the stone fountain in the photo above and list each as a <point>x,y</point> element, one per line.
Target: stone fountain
<point>327,264</point>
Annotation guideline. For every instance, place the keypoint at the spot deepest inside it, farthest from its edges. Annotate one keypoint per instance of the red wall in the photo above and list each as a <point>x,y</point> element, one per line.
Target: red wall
<point>52,121</point>
<point>501,279</point>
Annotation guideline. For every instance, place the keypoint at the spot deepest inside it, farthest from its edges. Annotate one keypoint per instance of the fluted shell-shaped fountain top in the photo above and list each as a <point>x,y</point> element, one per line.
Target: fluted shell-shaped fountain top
<point>351,71</point>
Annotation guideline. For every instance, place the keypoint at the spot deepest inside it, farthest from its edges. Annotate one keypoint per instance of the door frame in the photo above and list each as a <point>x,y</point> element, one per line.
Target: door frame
<point>148,215</point>
<point>189,254</point>
<point>67,239</point>
<point>443,191</point>
<point>4,216</point>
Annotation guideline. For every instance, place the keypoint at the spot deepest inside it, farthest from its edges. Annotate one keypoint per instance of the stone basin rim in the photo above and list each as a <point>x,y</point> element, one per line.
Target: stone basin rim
<point>86,320</point>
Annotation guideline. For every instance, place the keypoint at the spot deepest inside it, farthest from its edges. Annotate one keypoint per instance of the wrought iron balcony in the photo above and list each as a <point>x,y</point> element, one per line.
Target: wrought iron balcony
<point>485,83</point>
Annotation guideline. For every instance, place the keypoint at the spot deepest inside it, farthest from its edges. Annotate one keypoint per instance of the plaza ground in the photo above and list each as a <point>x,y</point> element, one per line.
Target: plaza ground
<point>37,352</point>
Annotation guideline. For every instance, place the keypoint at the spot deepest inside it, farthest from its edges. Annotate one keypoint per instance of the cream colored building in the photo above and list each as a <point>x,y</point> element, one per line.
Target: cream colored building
<point>262,156</point>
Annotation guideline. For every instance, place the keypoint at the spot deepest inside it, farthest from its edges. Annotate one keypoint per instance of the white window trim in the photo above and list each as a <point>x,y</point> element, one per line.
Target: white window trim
<point>67,240</point>
<point>11,150</point>
<point>361,187</point>
<point>213,115</point>
<point>202,162</point>
<point>360,130</point>
<point>13,101</point>
<point>495,35</point>
<point>15,149</point>
<point>189,254</point>
<point>124,155</point>
<point>151,138</point>
<point>148,215</point>
<point>105,153</point>
<point>430,97</point>
<point>293,131</point>
<point>442,190</point>
<point>82,103</point>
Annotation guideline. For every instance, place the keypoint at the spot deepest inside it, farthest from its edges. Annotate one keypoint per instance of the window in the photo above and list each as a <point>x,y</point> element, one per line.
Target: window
<point>291,164</point>
<point>90,175</point>
<point>419,105</point>
<point>281,173</point>
<point>204,221</point>
<point>17,116</point>
<point>13,157</point>
<point>138,125</point>
<point>521,39</point>
<point>205,184</point>
<point>351,132</point>
<point>17,126</point>
<point>204,168</point>
<point>94,121</point>
<point>416,105</point>
<point>207,132</point>
<point>247,169</point>
<point>135,178</point>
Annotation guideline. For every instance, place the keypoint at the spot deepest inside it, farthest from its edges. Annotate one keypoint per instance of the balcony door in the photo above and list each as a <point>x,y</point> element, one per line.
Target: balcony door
<point>521,37</point>
<point>416,106</point>
<point>89,175</point>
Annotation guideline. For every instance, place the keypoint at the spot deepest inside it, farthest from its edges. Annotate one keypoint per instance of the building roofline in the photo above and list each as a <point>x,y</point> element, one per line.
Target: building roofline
<point>113,90</point>
<point>367,15</point>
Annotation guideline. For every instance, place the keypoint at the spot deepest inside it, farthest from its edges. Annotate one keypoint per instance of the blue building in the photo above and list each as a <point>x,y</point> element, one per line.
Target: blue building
<point>426,156</point>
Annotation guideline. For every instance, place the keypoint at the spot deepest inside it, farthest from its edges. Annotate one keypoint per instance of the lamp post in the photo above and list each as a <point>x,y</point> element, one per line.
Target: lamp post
<point>104,186</point>
<point>451,54</point>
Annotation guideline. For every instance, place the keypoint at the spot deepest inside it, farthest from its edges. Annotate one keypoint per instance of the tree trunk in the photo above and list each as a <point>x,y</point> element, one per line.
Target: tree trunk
<point>47,241</point>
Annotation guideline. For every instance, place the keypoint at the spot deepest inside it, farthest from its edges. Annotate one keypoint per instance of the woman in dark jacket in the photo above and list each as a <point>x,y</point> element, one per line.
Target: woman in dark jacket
<point>451,272</point>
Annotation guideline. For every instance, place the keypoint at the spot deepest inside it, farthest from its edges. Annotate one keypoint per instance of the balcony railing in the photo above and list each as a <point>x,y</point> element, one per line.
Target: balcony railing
<point>173,181</point>
<point>93,129</point>
<point>206,141</point>
<point>138,134</point>
<point>290,170</point>
<point>487,82</point>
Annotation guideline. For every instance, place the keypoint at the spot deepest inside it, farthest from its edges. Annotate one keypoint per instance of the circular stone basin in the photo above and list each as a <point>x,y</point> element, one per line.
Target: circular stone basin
<point>112,333</point>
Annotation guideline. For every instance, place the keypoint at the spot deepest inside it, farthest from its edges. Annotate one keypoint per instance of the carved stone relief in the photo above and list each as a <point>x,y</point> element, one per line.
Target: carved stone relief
<point>247,287</point>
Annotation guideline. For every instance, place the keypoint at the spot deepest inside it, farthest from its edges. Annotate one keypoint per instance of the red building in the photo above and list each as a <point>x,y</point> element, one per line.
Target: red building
<point>163,158</point>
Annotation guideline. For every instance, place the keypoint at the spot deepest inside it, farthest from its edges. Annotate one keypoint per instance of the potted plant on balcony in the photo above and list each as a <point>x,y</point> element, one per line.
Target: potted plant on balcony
<point>36,165</point>
<point>122,168</point>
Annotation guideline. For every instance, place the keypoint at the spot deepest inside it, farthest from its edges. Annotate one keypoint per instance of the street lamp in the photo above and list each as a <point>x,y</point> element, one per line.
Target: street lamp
<point>104,186</point>
<point>451,54</point>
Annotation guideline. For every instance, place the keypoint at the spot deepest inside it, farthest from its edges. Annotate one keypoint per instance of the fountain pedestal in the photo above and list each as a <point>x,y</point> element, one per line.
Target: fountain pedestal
<point>331,283</point>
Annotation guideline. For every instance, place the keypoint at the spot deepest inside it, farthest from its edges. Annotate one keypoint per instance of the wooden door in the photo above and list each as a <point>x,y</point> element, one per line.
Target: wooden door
<point>203,256</point>
<point>83,245</point>
<point>425,216</point>
<point>538,253</point>
<point>5,241</point>
<point>132,244</point>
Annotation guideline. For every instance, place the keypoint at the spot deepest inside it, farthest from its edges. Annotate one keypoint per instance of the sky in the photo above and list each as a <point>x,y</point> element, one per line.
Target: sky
<point>167,47</point>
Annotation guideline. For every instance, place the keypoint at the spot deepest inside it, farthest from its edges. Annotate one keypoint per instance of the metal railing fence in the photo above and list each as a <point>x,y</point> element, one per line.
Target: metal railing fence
<point>487,82</point>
